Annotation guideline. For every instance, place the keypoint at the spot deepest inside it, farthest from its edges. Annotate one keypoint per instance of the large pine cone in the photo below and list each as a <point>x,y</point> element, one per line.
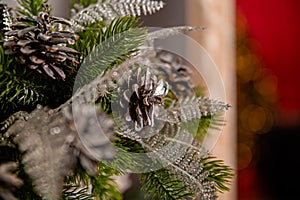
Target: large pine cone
<point>39,46</point>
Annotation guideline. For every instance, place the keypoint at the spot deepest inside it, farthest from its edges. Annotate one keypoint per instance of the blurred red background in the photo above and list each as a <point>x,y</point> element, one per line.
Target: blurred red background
<point>274,29</point>
<point>275,26</point>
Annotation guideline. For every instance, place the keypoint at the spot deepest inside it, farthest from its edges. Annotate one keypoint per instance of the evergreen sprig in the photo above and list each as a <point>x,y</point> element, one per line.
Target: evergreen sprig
<point>162,185</point>
<point>101,186</point>
<point>18,92</point>
<point>219,173</point>
<point>30,8</point>
<point>104,185</point>
<point>104,49</point>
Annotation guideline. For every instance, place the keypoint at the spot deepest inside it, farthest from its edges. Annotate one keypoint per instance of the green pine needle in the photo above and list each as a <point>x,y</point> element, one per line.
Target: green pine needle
<point>103,186</point>
<point>18,92</point>
<point>103,49</point>
<point>218,172</point>
<point>162,185</point>
<point>30,8</point>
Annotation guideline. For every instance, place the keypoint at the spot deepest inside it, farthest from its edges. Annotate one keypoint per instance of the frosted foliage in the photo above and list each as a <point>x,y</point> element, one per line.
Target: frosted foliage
<point>110,9</point>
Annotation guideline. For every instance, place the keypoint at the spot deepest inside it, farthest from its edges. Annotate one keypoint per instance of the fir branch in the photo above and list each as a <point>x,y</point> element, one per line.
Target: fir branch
<point>18,91</point>
<point>118,42</point>
<point>162,185</point>
<point>103,185</point>
<point>103,83</point>
<point>125,162</point>
<point>173,148</point>
<point>109,9</point>
<point>30,8</point>
<point>219,173</point>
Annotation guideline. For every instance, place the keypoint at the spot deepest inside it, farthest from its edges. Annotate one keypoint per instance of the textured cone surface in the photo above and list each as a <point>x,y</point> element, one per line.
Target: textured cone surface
<point>140,93</point>
<point>176,72</point>
<point>37,45</point>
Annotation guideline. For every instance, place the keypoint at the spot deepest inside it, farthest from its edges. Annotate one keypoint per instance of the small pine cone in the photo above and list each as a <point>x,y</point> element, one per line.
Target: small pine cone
<point>175,72</point>
<point>140,95</point>
<point>40,47</point>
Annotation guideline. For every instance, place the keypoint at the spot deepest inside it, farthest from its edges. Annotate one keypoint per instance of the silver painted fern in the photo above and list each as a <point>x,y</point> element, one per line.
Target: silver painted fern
<point>190,108</point>
<point>175,149</point>
<point>167,32</point>
<point>109,9</point>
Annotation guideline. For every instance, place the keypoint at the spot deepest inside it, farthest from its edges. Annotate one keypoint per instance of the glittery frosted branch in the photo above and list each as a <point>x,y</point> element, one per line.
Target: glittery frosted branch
<point>110,9</point>
<point>211,106</point>
<point>6,19</point>
<point>167,32</point>
<point>175,149</point>
<point>189,108</point>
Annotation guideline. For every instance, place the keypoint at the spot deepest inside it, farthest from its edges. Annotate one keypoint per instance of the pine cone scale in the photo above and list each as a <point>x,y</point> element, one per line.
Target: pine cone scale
<point>65,49</point>
<point>48,71</point>
<point>44,37</point>
<point>36,60</point>
<point>27,50</point>
<point>23,43</point>
<point>59,71</point>
<point>22,32</point>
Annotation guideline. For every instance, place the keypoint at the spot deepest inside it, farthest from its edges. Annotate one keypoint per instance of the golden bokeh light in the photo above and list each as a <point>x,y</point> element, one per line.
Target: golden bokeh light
<point>244,155</point>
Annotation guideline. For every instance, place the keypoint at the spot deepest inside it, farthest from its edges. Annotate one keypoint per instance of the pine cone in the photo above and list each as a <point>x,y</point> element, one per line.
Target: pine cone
<point>175,72</point>
<point>140,95</point>
<point>37,44</point>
